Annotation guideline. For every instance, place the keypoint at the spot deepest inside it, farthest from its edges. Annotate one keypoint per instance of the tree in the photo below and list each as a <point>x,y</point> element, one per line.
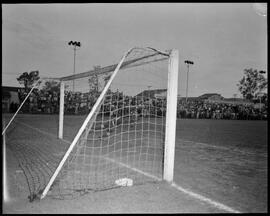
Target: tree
<point>28,79</point>
<point>52,86</point>
<point>252,84</point>
<point>262,98</point>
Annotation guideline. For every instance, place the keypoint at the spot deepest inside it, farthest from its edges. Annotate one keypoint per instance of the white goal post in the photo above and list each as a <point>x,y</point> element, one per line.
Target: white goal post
<point>171,116</point>
<point>171,106</point>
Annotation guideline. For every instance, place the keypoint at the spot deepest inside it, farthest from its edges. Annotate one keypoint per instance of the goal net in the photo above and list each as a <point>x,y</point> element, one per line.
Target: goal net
<point>113,124</point>
<point>31,137</point>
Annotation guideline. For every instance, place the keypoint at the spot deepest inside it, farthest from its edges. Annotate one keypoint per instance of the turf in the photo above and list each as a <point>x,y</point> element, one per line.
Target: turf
<point>224,160</point>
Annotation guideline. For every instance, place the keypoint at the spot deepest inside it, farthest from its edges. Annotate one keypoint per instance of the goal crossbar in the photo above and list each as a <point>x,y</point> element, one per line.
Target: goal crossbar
<point>110,68</point>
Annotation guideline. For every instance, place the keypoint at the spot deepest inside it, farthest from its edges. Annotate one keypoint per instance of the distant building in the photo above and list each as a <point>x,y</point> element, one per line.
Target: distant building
<point>188,98</point>
<point>9,95</point>
<point>205,97</point>
<point>211,97</point>
<point>237,101</point>
<point>217,98</point>
<point>155,93</point>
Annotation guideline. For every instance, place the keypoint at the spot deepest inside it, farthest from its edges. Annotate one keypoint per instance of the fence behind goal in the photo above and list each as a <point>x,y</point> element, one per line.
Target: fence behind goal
<point>113,128</point>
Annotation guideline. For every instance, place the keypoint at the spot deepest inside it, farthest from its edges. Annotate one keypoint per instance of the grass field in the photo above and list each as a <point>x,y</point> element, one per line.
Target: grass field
<point>223,160</point>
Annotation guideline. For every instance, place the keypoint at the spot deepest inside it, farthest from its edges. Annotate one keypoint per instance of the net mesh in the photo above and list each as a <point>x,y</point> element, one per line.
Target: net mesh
<point>123,139</point>
<point>32,137</point>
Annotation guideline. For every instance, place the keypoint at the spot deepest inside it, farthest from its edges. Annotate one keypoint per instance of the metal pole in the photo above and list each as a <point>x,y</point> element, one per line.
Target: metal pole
<point>5,182</point>
<point>260,105</point>
<point>74,64</point>
<point>74,44</point>
<point>34,86</point>
<point>61,110</point>
<point>187,82</point>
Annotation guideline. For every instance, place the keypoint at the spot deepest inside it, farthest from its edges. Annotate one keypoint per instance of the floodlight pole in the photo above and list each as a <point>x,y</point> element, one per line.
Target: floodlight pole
<point>187,62</point>
<point>149,91</point>
<point>234,95</point>
<point>74,64</point>
<point>75,44</point>
<point>260,103</point>
<point>260,96</point>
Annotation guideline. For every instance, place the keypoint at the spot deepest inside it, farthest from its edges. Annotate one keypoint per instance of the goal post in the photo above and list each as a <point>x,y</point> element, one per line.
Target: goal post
<point>61,110</point>
<point>171,116</point>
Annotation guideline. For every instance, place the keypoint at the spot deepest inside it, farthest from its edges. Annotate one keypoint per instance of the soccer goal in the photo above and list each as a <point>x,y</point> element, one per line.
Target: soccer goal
<point>114,123</point>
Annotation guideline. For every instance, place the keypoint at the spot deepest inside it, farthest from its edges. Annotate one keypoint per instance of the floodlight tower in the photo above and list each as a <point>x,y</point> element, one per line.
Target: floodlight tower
<point>260,93</point>
<point>234,96</point>
<point>75,45</point>
<point>188,62</point>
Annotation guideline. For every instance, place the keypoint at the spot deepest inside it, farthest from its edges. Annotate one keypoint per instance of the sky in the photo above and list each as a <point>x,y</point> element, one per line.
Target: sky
<point>222,39</point>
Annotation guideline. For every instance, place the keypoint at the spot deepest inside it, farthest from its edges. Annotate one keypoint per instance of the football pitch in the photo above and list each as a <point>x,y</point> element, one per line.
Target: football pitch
<point>223,161</point>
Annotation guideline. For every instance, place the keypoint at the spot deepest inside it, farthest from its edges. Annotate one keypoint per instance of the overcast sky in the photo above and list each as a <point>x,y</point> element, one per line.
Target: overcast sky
<point>221,39</point>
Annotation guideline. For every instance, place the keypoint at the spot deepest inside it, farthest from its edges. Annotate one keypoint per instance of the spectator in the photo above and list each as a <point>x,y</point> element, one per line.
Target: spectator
<point>78,103</point>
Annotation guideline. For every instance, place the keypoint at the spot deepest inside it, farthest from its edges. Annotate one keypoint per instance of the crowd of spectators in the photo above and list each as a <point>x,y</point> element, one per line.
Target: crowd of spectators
<point>47,102</point>
<point>213,110</point>
<point>39,101</point>
<point>142,106</point>
<point>81,103</point>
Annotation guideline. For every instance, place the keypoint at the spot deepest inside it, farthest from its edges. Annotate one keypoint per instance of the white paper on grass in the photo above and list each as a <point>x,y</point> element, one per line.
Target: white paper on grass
<point>125,182</point>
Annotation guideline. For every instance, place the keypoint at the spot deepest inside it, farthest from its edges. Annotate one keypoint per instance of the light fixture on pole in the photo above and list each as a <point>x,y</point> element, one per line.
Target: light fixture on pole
<point>149,91</point>
<point>260,93</point>
<point>75,45</point>
<point>187,62</point>
<point>234,96</point>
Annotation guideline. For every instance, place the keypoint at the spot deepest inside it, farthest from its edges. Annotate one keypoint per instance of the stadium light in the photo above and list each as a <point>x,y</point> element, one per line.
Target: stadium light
<point>188,62</point>
<point>75,44</point>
